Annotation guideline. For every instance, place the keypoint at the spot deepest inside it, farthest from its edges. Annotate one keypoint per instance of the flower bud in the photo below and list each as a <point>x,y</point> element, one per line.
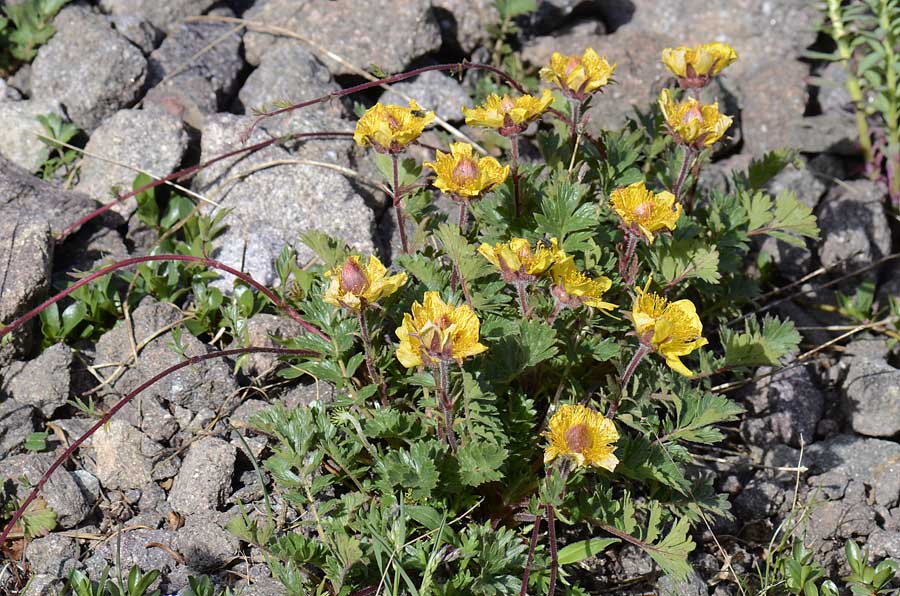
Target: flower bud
<point>353,278</point>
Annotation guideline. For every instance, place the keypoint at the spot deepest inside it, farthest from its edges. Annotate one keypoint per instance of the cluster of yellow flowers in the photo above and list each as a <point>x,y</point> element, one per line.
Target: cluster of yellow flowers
<point>435,332</point>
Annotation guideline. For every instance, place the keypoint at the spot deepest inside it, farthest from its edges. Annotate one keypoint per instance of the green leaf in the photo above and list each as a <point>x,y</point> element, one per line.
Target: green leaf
<point>72,316</point>
<point>179,208</point>
<point>147,207</point>
<point>510,9</point>
<point>760,345</point>
<point>480,462</point>
<point>331,251</point>
<point>793,220</point>
<point>761,171</point>
<point>581,550</point>
<point>36,441</point>
<point>696,415</point>
<point>672,551</point>
<point>38,520</point>
<point>564,213</point>
<point>413,470</point>
<point>679,260</point>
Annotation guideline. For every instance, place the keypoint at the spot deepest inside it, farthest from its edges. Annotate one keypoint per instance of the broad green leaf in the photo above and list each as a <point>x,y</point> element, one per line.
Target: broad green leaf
<point>583,549</point>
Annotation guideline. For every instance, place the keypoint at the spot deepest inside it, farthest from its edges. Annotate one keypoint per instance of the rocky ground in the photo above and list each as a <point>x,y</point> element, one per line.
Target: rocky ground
<point>156,89</point>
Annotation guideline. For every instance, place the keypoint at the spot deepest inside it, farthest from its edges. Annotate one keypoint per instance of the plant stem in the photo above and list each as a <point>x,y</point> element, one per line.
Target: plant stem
<point>463,216</point>
<point>557,308</point>
<point>398,208</point>
<point>445,404</point>
<point>145,259</point>
<point>531,546</point>
<point>523,299</point>
<point>627,266</point>
<point>643,350</point>
<point>554,561</point>
<point>682,174</point>
<point>370,361</point>
<point>891,118</point>
<point>514,167</point>
<point>118,406</point>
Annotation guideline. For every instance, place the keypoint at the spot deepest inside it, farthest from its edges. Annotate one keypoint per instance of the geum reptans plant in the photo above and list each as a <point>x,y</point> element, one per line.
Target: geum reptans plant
<point>538,377</point>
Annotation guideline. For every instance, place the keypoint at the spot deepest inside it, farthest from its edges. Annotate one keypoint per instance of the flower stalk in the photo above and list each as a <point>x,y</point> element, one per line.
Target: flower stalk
<point>514,172</point>
<point>554,548</point>
<point>446,404</point>
<point>370,360</point>
<point>530,560</point>
<point>523,299</point>
<point>398,207</point>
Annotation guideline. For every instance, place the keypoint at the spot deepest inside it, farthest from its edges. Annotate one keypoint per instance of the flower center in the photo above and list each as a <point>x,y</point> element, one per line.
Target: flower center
<point>573,63</point>
<point>642,210</point>
<point>465,172</point>
<point>506,105</point>
<point>353,278</point>
<point>692,113</point>
<point>578,438</point>
<point>393,123</point>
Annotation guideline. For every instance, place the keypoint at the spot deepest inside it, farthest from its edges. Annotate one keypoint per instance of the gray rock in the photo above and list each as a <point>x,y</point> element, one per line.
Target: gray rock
<point>303,395</point>
<point>792,261</point>
<point>204,543</point>
<point>832,522</point>
<point>204,384</point>
<point>262,329</point>
<point>164,14</point>
<point>22,194</point>
<point>389,33</point>
<point>137,138</point>
<point>871,396</point>
<point>241,416</point>
<point>855,457</point>
<point>26,251</point>
<point>265,586</point>
<point>786,408</point>
<point>124,456</point>
<point>148,414</point>
<point>8,92</point>
<point>694,585</point>
<point>826,133</point>
<point>52,554</point>
<point>43,382</point>
<point>853,225</point>
<point>774,98</point>
<point>433,91</point>
<point>259,197</point>
<point>465,22</point>
<point>288,72</point>
<point>138,31</point>
<point>883,544</point>
<point>760,500</point>
<point>138,548</point>
<point>89,68</point>
<point>833,95</point>
<point>196,68</point>
<point>806,185</point>
<point>61,492</point>
<point>18,120</point>
<point>88,484</point>
<point>16,423</point>
<point>43,584</point>
<point>204,477</point>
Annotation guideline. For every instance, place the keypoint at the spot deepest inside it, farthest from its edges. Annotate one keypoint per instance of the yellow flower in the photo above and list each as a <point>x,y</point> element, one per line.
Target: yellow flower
<point>691,122</point>
<point>573,288</point>
<point>694,66</point>
<point>390,128</point>
<point>517,261</point>
<point>438,332</point>
<point>672,329</point>
<point>353,286</point>
<point>507,115</point>
<point>584,435</point>
<point>463,176</point>
<point>578,76</point>
<point>643,211</point>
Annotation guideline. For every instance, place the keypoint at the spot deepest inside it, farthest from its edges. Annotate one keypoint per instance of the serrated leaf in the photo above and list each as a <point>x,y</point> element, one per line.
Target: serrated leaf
<point>686,259</point>
<point>480,462</point>
<point>331,251</point>
<point>762,170</point>
<point>583,549</point>
<point>793,220</point>
<point>564,213</point>
<point>695,416</point>
<point>671,553</point>
<point>760,345</point>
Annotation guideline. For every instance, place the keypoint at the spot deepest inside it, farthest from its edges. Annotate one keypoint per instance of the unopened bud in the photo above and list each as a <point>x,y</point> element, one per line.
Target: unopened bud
<point>353,278</point>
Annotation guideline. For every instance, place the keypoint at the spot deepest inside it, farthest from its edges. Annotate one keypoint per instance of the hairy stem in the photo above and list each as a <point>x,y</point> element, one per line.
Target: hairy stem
<point>514,170</point>
<point>523,299</point>
<point>528,562</point>
<point>137,260</point>
<point>118,406</point>
<point>682,174</point>
<point>554,561</point>
<point>628,264</point>
<point>643,350</point>
<point>370,361</point>
<point>398,207</point>
<point>557,308</point>
<point>445,405</point>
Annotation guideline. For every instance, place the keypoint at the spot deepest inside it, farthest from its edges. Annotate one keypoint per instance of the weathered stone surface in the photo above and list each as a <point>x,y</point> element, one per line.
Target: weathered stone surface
<point>785,409</point>
<point>20,126</point>
<point>164,14</point>
<point>826,133</point>
<point>26,254</point>
<point>433,91</point>
<point>204,477</point>
<point>16,423</point>
<point>89,68</point>
<point>204,542</point>
<point>52,554</point>
<point>272,203</point>
<point>138,548</point>
<point>205,384</point>
<point>853,224</point>
<point>145,140</point>
<point>871,395</point>
<point>125,457</point>
<point>42,383</point>
<point>692,586</point>
<point>288,72</point>
<point>61,492</point>
<point>261,329</point>
<point>138,31</point>
<point>465,22</point>
<point>22,194</point>
<point>806,185</point>
<point>774,98</point>
<point>389,33</point>
<point>195,71</point>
